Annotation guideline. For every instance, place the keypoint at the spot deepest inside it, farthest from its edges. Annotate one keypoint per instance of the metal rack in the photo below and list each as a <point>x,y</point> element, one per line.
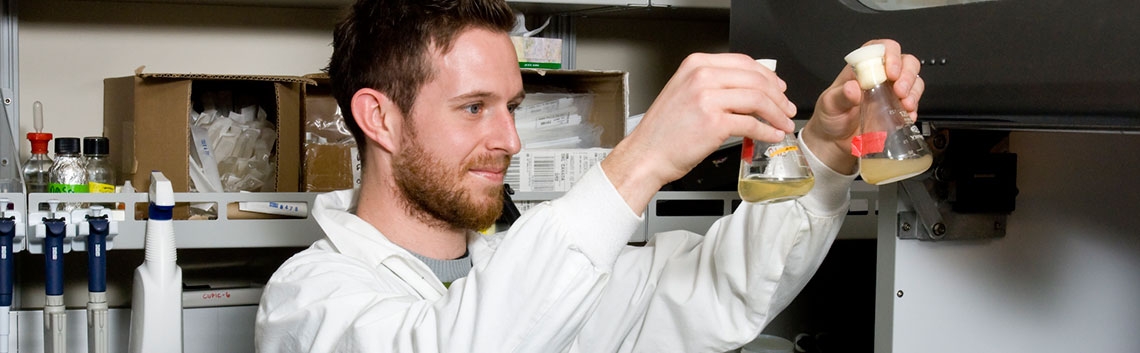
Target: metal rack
<point>223,232</point>
<point>229,232</point>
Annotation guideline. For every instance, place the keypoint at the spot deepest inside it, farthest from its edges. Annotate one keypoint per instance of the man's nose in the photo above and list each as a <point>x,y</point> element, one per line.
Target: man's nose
<point>504,136</point>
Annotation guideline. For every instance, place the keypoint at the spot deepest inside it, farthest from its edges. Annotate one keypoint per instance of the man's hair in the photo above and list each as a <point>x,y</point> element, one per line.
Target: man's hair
<point>386,45</point>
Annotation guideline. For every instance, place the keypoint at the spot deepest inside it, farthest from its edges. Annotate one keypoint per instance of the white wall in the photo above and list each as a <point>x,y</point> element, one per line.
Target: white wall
<point>1065,278</point>
<point>67,48</point>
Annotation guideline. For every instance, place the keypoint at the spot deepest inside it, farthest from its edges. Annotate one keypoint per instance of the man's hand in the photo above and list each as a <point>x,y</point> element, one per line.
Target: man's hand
<point>836,117</point>
<point>708,99</point>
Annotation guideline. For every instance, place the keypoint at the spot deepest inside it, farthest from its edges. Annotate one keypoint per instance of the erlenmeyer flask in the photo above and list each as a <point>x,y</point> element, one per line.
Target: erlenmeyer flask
<point>890,148</point>
<point>772,172</point>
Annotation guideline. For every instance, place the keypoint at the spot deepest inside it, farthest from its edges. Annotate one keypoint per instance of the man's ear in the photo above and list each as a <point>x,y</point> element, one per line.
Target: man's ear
<point>378,117</point>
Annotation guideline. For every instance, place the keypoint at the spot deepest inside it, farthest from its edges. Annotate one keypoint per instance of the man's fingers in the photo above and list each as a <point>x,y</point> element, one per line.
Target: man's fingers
<point>905,82</point>
<point>892,58</point>
<point>840,98</point>
<point>730,64</point>
<point>910,103</point>
<point>772,107</point>
<point>714,77</point>
<point>747,126</point>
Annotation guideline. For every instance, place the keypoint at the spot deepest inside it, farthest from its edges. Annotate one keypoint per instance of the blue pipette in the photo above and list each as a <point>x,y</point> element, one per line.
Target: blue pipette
<point>7,271</point>
<point>98,228</point>
<point>55,318</point>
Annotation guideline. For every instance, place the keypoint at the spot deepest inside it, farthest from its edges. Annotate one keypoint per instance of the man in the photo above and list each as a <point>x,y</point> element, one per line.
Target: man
<point>429,88</point>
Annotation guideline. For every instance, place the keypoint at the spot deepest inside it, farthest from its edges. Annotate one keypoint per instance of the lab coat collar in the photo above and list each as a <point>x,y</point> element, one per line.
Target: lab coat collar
<point>353,237</point>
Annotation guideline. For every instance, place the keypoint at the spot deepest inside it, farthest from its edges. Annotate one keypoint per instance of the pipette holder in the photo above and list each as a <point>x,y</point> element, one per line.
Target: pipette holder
<point>36,242</point>
<point>19,241</point>
<point>83,228</point>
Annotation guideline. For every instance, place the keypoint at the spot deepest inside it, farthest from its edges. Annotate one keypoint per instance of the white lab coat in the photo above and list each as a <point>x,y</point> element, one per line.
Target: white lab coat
<point>560,280</point>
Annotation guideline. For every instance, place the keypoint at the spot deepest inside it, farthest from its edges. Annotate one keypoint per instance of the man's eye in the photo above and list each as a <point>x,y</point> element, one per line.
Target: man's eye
<point>512,108</point>
<point>474,108</point>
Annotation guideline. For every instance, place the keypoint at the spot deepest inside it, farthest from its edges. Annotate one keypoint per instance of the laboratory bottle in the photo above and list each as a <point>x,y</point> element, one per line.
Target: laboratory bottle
<point>773,172</point>
<point>37,170</point>
<point>100,175</point>
<point>68,174</point>
<point>889,146</point>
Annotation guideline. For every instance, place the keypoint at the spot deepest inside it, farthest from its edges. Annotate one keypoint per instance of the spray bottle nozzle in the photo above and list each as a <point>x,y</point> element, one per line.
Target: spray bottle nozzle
<point>161,190</point>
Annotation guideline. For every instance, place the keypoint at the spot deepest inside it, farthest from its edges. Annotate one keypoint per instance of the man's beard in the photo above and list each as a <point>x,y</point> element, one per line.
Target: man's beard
<point>433,191</point>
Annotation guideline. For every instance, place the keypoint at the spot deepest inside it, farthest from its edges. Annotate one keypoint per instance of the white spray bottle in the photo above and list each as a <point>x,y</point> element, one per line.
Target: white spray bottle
<point>156,304</point>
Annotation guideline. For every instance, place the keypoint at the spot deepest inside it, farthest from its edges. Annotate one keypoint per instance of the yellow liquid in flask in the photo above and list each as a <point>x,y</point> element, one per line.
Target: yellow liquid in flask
<point>879,171</point>
<point>773,190</point>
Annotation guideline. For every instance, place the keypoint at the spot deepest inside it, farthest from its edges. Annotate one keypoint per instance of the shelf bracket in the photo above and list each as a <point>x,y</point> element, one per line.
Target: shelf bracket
<point>967,194</point>
<point>926,216</point>
<point>10,65</point>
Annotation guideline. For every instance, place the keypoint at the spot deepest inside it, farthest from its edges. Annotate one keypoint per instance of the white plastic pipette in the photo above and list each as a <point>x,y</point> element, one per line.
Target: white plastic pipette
<point>38,116</point>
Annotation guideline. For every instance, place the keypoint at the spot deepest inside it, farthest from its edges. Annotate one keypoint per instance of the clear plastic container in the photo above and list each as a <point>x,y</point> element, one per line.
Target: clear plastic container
<point>889,146</point>
<point>773,172</point>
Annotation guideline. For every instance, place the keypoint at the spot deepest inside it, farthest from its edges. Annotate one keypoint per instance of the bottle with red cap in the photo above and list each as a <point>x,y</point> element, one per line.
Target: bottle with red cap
<point>37,168</point>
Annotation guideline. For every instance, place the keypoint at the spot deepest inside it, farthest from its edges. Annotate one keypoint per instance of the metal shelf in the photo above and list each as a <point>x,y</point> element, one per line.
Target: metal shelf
<point>228,232</point>
<point>223,232</point>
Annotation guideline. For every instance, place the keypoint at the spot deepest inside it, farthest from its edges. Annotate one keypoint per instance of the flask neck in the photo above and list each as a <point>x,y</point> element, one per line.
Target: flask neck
<point>39,157</point>
<point>880,89</point>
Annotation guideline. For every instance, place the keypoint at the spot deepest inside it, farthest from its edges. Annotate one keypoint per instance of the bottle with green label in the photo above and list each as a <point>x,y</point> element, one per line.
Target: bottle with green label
<point>100,175</point>
<point>68,173</point>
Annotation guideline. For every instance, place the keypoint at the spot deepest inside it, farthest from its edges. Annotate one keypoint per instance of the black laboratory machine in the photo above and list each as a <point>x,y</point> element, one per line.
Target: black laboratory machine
<point>1022,234</point>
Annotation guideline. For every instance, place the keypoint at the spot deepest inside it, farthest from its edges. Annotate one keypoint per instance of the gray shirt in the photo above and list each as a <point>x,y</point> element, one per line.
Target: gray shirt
<point>447,270</point>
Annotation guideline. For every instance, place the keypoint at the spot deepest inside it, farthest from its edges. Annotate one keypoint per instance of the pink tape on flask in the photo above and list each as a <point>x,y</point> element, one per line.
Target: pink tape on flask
<point>868,143</point>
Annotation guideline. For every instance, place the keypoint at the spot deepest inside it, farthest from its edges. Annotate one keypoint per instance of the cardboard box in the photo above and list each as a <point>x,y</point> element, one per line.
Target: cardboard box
<point>333,163</point>
<point>557,170</point>
<point>553,170</point>
<point>329,167</point>
<point>146,117</point>
<point>610,91</point>
<point>539,53</point>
